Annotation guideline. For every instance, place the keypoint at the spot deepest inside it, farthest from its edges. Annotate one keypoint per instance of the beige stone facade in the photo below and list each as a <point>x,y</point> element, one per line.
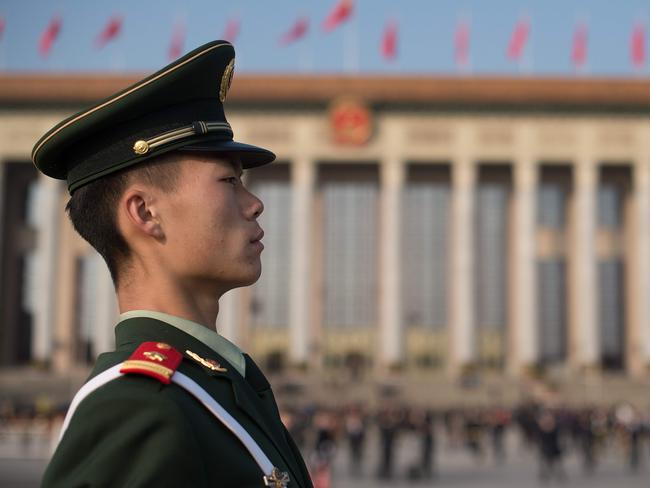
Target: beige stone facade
<point>573,132</point>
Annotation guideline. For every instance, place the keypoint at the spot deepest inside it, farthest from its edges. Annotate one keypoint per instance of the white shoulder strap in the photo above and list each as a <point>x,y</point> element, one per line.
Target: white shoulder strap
<point>275,478</point>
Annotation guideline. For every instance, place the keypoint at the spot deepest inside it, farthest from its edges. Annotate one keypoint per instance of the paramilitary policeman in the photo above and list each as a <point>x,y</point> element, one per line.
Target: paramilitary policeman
<point>155,181</point>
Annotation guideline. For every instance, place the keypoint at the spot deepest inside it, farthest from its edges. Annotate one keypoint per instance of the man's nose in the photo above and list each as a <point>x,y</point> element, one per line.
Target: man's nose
<point>256,207</point>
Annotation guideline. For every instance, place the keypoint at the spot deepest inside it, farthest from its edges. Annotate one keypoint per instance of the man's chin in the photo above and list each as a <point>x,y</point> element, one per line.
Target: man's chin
<point>248,280</point>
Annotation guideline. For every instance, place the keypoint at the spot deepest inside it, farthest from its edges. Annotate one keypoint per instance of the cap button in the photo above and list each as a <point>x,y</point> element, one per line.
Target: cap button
<point>141,147</point>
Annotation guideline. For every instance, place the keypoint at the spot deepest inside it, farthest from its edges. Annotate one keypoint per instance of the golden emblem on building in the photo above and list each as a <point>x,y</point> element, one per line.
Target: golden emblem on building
<point>350,121</point>
<point>226,80</point>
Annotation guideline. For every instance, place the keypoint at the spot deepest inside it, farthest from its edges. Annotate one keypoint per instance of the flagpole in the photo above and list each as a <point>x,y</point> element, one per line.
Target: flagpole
<point>527,58</point>
<point>3,58</point>
<point>521,61</point>
<point>351,46</point>
<point>639,66</point>
<point>305,56</point>
<point>462,43</point>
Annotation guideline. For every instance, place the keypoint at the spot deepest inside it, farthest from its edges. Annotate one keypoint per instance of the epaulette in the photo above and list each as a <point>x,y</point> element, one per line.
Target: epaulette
<point>160,361</point>
<point>156,359</point>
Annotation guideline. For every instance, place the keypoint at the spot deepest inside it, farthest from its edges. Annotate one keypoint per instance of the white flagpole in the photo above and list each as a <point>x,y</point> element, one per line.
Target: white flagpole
<point>351,45</point>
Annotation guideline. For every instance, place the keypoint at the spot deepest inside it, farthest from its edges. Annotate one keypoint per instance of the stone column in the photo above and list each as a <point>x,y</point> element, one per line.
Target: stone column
<point>461,244</point>
<point>523,334</point>
<point>71,246</point>
<point>48,200</point>
<point>390,304</point>
<point>638,270</point>
<point>303,173</point>
<point>228,320</point>
<point>583,320</point>
<point>106,310</point>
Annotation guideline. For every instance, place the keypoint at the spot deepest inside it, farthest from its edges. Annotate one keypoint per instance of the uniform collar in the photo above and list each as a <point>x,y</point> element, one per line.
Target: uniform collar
<point>209,337</point>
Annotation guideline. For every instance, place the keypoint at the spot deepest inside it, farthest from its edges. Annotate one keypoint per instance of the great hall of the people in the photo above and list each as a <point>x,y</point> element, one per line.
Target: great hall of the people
<point>414,226</point>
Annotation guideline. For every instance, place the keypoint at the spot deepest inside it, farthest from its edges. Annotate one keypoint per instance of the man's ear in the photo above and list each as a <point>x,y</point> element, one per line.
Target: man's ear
<point>142,213</point>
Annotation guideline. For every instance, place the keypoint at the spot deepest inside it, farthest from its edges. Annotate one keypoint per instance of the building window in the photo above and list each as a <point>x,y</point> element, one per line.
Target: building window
<point>550,206</point>
<point>270,300</point>
<point>491,242</point>
<point>552,198</point>
<point>551,312</point>
<point>609,206</point>
<point>87,272</point>
<point>491,237</point>
<point>350,234</point>
<point>612,190</point>
<point>16,262</point>
<point>425,220</point>
<point>611,313</point>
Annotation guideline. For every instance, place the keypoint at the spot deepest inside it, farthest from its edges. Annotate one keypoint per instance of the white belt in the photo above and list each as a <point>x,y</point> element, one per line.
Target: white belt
<point>275,478</point>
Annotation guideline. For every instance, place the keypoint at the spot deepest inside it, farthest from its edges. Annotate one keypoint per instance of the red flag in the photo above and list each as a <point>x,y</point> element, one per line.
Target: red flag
<point>339,14</point>
<point>49,35</point>
<point>461,44</point>
<point>389,41</point>
<point>2,26</point>
<point>178,40</point>
<point>232,30</point>
<point>111,30</point>
<point>637,45</point>
<point>518,40</point>
<point>297,31</point>
<point>579,51</point>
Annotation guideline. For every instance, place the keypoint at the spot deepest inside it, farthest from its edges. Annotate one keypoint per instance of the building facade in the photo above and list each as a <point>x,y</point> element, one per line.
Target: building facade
<point>496,224</point>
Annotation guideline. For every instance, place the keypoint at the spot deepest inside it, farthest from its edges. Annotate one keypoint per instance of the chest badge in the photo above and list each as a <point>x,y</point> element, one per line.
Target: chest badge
<point>277,479</point>
<point>211,364</point>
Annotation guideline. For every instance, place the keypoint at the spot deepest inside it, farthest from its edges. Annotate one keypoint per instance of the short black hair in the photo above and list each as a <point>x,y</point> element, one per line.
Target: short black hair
<point>92,207</point>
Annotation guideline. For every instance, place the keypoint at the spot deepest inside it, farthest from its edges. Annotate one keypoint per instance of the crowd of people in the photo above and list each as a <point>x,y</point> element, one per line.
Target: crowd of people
<point>323,433</point>
<point>550,433</point>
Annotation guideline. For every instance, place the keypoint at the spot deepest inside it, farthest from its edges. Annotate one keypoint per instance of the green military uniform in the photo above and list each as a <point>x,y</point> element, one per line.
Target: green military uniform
<point>141,427</point>
<point>136,431</point>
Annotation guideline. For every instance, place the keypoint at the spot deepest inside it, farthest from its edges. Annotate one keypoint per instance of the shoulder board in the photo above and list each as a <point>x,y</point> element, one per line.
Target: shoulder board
<point>156,359</point>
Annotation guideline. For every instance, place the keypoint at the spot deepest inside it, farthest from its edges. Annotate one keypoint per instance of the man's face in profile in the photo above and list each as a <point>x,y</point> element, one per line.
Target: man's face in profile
<point>210,224</point>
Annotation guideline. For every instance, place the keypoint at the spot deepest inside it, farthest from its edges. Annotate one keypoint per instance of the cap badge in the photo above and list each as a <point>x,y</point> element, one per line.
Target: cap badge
<point>141,147</point>
<point>226,80</point>
<point>211,364</point>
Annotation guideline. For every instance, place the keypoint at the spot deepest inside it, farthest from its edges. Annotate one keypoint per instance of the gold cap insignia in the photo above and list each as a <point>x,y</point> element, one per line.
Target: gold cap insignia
<point>226,80</point>
<point>211,364</point>
<point>141,147</point>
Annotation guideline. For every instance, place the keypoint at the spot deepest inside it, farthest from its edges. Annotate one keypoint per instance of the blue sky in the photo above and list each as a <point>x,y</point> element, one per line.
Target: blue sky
<point>426,30</point>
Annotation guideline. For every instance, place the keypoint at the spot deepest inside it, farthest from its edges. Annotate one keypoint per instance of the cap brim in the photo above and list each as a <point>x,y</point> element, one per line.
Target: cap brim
<point>250,156</point>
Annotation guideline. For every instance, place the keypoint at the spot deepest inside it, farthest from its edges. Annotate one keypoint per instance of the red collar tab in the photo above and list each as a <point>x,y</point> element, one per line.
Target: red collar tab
<point>156,359</point>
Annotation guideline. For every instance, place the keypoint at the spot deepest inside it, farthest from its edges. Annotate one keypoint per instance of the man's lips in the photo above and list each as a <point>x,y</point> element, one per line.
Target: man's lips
<point>258,237</point>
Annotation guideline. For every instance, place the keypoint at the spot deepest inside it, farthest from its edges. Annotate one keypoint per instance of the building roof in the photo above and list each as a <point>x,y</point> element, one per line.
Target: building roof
<point>586,93</point>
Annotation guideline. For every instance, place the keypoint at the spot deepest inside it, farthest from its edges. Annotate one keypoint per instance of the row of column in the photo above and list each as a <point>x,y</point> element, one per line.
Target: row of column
<point>522,350</point>
<point>58,253</point>
<point>523,343</point>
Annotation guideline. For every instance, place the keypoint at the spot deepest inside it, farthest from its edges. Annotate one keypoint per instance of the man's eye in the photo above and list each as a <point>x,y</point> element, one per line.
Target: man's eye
<point>233,180</point>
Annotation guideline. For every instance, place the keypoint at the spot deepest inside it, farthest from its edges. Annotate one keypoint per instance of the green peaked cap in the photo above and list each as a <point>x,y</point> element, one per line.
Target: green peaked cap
<point>179,107</point>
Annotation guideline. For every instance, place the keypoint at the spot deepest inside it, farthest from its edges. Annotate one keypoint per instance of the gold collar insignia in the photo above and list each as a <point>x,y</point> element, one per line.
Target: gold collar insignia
<point>211,364</point>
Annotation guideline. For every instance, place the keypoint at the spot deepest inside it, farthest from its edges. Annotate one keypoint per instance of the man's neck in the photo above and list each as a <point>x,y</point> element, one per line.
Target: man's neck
<point>187,301</point>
